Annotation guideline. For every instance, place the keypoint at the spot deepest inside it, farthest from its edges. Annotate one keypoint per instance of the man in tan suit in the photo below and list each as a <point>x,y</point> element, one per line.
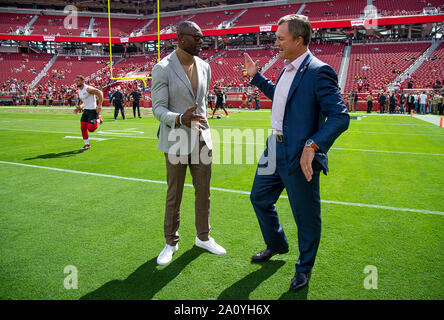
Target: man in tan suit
<point>179,94</point>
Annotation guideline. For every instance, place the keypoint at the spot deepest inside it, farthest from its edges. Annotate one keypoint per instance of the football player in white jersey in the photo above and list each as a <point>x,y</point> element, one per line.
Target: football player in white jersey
<point>87,102</point>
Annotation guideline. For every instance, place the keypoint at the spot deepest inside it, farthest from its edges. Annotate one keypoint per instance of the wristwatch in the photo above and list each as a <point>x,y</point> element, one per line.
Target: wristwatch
<point>311,144</point>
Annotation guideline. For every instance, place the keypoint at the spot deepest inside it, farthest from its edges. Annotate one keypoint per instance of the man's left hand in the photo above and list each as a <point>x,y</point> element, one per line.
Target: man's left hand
<point>78,109</point>
<point>306,162</point>
<point>99,109</point>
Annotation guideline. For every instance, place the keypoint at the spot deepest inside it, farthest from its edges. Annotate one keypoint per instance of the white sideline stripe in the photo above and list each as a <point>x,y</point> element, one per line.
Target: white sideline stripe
<point>395,133</point>
<point>90,138</point>
<point>394,124</point>
<point>384,151</point>
<point>215,126</point>
<point>64,132</point>
<point>267,119</point>
<point>247,143</point>
<point>220,189</point>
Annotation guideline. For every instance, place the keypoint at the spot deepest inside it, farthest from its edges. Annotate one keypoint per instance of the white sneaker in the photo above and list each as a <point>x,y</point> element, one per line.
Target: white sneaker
<point>211,246</point>
<point>167,254</point>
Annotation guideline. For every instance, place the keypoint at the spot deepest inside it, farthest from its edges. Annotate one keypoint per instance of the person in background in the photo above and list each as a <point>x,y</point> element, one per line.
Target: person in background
<point>257,99</point>
<point>422,102</point>
<point>382,101</point>
<point>355,101</point>
<point>350,101</point>
<point>91,108</point>
<point>392,101</point>
<point>135,96</point>
<point>369,102</point>
<point>117,100</point>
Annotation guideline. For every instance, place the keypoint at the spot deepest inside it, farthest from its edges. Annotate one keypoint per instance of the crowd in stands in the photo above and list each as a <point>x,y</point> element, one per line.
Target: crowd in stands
<point>390,60</point>
<point>399,101</point>
<point>54,25</point>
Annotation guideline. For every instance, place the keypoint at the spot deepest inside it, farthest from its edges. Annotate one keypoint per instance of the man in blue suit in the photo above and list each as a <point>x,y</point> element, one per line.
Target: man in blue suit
<point>308,114</point>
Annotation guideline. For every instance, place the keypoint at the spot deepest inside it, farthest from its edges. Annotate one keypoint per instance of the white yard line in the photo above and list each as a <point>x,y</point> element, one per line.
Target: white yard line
<point>389,151</point>
<point>90,138</point>
<point>364,205</point>
<point>123,135</point>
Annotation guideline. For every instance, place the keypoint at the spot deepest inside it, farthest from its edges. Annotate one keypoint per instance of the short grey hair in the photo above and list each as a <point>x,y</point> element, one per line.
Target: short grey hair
<point>298,26</point>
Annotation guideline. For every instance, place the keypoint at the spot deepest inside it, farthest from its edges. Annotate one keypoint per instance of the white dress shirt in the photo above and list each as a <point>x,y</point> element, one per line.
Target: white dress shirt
<point>281,92</point>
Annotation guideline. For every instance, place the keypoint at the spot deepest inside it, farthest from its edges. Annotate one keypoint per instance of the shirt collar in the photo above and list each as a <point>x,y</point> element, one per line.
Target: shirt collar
<point>296,63</point>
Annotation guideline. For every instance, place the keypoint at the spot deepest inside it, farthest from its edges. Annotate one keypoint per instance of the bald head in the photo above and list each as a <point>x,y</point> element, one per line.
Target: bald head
<point>189,37</point>
<point>186,27</point>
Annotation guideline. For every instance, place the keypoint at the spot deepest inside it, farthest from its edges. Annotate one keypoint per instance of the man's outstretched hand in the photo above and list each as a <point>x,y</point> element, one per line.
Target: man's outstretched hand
<point>192,120</point>
<point>251,66</point>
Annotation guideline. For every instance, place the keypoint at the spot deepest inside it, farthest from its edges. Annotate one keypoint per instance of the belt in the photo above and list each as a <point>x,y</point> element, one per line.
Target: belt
<point>278,134</point>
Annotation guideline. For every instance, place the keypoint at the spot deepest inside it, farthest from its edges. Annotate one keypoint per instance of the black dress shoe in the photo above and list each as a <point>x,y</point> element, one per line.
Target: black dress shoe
<point>267,254</point>
<point>299,281</point>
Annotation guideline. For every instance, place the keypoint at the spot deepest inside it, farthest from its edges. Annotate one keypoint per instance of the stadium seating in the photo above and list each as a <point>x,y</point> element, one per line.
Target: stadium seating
<point>228,68</point>
<point>134,64</point>
<point>119,27</point>
<point>10,22</point>
<point>270,15</point>
<point>430,71</point>
<point>378,63</point>
<point>65,69</point>
<point>211,20</point>
<point>332,10</point>
<point>382,60</point>
<point>392,7</point>
<point>166,23</point>
<point>328,53</point>
<point>54,25</point>
<point>22,66</point>
<point>209,54</point>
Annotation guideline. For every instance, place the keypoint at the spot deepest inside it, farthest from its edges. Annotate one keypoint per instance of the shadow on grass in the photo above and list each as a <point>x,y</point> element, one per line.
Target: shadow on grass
<point>56,155</point>
<point>299,295</point>
<point>145,282</point>
<point>242,289</point>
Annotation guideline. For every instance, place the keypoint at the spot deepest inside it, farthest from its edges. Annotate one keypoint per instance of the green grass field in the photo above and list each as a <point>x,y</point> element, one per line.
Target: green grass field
<point>109,225</point>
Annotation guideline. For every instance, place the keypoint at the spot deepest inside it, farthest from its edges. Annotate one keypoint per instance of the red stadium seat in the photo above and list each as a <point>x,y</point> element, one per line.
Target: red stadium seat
<point>382,59</point>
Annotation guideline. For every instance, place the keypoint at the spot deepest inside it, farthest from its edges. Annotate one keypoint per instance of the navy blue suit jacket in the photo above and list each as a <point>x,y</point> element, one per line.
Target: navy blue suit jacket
<point>314,110</point>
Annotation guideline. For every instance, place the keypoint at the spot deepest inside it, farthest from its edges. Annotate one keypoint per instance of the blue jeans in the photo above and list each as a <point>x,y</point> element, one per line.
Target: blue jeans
<point>422,108</point>
<point>305,203</point>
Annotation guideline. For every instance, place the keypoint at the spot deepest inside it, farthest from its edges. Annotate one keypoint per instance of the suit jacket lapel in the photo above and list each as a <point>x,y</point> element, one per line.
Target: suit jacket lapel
<point>298,76</point>
<point>178,69</point>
